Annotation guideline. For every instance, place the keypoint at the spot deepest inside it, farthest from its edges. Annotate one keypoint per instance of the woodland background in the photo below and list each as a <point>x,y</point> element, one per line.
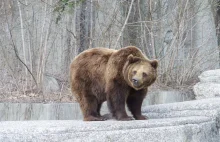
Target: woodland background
<point>39,38</point>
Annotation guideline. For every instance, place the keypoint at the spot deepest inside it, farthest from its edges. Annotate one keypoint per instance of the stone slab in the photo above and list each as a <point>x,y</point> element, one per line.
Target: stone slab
<point>206,90</point>
<point>204,107</point>
<point>193,129</point>
<point>209,85</point>
<point>210,76</point>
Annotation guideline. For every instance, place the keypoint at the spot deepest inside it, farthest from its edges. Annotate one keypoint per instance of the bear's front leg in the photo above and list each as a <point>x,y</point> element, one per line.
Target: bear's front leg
<point>134,103</point>
<point>116,98</point>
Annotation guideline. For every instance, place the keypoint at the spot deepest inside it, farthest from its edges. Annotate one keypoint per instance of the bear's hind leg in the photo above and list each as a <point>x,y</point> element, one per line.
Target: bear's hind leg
<point>98,111</point>
<point>89,106</point>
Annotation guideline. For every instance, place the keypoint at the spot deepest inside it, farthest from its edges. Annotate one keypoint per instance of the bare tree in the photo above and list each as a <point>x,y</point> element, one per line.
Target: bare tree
<point>47,35</point>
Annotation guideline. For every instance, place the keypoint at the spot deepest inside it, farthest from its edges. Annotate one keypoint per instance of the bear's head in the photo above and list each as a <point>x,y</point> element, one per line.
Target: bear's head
<point>139,72</point>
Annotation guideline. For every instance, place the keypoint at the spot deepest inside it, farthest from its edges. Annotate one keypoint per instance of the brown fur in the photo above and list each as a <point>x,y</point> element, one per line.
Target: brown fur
<point>101,74</point>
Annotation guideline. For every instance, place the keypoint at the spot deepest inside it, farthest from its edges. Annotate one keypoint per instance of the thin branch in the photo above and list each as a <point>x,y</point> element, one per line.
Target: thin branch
<point>22,37</point>
<point>16,52</point>
<point>126,20</point>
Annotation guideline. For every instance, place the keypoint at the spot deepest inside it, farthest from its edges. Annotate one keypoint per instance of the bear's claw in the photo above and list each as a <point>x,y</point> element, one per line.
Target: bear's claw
<point>92,118</point>
<point>129,118</point>
<point>141,117</point>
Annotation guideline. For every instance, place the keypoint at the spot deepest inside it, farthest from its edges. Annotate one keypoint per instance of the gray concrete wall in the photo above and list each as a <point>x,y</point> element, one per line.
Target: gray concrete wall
<point>71,111</point>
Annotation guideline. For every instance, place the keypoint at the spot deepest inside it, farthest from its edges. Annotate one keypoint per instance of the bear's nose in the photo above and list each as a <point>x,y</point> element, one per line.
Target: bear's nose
<point>135,82</point>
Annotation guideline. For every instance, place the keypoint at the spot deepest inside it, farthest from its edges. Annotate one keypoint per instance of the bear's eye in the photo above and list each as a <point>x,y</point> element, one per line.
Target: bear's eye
<point>134,72</point>
<point>144,74</point>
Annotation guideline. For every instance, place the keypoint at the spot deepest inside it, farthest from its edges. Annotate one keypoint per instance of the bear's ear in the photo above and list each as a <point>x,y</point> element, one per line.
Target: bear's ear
<point>133,59</point>
<point>154,64</point>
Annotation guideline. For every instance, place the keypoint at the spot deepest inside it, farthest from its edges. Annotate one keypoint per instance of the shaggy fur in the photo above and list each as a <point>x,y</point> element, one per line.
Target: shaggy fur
<point>118,76</point>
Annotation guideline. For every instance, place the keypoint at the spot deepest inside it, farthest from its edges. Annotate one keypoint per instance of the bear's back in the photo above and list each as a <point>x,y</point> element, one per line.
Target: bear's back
<point>91,60</point>
<point>87,70</point>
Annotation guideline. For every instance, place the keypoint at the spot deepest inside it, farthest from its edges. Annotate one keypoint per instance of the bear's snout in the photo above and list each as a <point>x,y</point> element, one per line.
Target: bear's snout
<point>135,82</point>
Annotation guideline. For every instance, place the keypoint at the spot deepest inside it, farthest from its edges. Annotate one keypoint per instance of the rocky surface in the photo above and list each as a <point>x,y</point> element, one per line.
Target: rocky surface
<point>198,129</point>
<point>207,90</point>
<point>210,76</point>
<point>191,121</point>
<point>209,85</point>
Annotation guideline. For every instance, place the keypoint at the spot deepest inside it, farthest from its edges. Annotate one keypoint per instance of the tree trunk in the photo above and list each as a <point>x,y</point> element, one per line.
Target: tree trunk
<point>84,25</point>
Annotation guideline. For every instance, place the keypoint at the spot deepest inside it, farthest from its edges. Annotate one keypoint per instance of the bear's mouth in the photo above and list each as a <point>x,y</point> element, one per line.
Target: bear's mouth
<point>139,87</point>
<point>143,85</point>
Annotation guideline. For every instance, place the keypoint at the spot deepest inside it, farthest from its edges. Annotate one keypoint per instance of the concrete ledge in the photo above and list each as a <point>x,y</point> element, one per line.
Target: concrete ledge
<point>71,111</point>
<point>191,121</point>
<point>193,129</point>
<point>39,111</point>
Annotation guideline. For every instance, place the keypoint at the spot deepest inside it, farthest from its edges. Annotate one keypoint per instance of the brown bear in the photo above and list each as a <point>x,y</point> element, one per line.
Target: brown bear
<point>118,76</point>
